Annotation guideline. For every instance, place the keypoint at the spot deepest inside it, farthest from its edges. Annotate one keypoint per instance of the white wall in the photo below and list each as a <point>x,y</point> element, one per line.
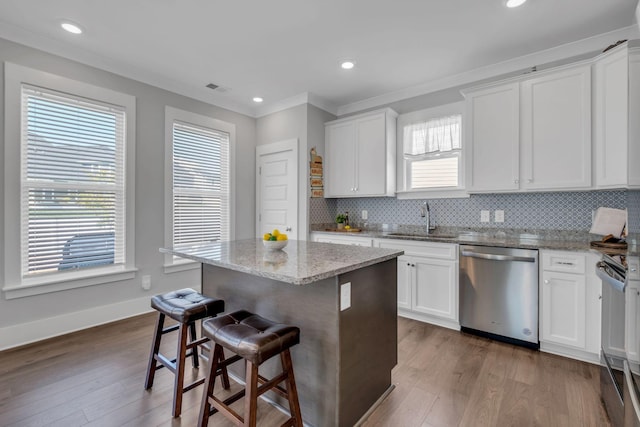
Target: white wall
<point>32,318</point>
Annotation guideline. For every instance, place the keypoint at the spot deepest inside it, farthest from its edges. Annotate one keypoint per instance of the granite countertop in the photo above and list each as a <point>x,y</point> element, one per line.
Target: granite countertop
<point>299,263</point>
<point>565,240</point>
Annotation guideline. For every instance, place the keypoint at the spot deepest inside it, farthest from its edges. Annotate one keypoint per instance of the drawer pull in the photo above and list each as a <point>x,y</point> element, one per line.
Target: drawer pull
<point>565,263</point>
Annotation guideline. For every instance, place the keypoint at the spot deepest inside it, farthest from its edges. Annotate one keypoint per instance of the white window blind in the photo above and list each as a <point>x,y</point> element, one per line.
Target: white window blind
<point>201,187</point>
<point>432,152</point>
<point>72,182</point>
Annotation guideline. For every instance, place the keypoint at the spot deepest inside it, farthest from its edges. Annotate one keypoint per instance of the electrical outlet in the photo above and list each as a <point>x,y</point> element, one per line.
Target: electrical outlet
<point>146,282</point>
<point>485,216</point>
<point>345,296</point>
<point>365,215</point>
<point>499,216</point>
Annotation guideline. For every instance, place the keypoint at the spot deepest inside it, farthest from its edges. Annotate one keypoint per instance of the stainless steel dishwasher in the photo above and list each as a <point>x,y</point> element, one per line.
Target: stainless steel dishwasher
<point>499,293</point>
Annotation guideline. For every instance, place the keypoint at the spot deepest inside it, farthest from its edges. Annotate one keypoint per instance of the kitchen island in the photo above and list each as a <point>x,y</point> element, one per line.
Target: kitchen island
<point>343,299</point>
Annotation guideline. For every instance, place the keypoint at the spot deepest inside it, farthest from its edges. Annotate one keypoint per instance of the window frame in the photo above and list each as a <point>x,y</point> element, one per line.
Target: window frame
<point>172,264</point>
<point>16,286</point>
<point>403,169</point>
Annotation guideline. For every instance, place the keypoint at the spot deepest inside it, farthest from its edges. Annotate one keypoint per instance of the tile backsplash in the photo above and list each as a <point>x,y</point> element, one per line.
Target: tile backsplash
<point>550,211</point>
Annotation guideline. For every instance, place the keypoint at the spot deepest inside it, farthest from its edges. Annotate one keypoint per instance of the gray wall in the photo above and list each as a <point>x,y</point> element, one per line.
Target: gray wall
<point>149,188</point>
<point>306,123</point>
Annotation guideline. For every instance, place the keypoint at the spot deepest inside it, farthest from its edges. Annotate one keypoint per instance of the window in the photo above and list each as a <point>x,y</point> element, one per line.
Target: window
<point>72,182</point>
<point>199,152</point>
<point>67,168</point>
<point>432,150</point>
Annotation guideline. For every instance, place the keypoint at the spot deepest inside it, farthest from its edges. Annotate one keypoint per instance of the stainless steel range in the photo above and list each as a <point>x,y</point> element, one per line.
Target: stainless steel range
<point>620,372</point>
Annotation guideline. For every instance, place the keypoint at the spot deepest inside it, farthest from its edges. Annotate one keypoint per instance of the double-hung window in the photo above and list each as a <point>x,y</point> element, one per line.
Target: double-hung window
<point>199,158</point>
<point>432,160</point>
<point>71,191</point>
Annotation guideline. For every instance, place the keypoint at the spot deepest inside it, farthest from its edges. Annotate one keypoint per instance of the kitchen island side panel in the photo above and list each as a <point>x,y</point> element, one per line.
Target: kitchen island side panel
<point>368,339</point>
<point>314,309</point>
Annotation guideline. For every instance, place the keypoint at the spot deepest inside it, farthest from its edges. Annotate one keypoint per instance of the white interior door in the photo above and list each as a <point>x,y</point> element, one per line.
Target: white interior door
<point>277,188</point>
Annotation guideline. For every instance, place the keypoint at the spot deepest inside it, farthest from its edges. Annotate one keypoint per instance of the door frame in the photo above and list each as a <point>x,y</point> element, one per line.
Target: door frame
<point>272,148</point>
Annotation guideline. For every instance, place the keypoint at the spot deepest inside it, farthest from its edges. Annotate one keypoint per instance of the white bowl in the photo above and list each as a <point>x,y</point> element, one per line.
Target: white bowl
<point>275,245</point>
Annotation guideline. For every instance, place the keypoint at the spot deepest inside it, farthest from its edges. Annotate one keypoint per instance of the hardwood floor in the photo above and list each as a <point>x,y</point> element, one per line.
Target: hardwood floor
<point>444,378</point>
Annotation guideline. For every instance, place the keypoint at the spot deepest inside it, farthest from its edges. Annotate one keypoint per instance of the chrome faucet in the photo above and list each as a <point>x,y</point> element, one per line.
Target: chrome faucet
<point>425,212</point>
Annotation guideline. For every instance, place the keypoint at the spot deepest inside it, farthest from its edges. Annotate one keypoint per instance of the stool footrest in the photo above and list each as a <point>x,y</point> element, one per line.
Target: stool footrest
<point>193,385</point>
<point>197,342</point>
<point>170,328</point>
<point>276,389</point>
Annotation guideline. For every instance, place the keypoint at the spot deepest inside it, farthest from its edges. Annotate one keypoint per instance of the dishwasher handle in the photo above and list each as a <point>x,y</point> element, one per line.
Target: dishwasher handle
<point>494,257</point>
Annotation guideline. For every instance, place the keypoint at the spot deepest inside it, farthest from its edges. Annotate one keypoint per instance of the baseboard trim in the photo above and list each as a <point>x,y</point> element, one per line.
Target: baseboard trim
<point>27,333</point>
<point>571,353</point>
<point>450,324</point>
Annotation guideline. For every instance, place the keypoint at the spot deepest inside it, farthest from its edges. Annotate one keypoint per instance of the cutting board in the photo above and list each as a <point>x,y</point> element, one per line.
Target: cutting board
<point>351,230</point>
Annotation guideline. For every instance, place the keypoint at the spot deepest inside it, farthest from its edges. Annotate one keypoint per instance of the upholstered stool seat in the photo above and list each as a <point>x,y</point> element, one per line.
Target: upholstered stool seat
<point>185,306</point>
<point>254,339</point>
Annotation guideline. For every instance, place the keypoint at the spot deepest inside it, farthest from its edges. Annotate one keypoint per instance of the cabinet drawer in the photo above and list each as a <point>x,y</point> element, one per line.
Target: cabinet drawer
<point>564,262</point>
<point>343,240</point>
<point>428,249</point>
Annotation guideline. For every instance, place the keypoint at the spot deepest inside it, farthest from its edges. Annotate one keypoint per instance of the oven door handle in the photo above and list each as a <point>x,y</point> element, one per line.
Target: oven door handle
<point>603,273</point>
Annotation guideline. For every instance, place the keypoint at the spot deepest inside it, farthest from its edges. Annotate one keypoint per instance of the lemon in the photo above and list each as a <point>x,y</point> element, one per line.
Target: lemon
<point>282,237</point>
<point>266,236</point>
<point>347,227</point>
<point>275,232</point>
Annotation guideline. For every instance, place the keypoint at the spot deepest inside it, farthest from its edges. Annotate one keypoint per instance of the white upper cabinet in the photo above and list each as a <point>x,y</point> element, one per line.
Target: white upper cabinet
<point>360,155</point>
<point>616,127</point>
<point>531,133</point>
<point>556,130</point>
<point>492,132</point>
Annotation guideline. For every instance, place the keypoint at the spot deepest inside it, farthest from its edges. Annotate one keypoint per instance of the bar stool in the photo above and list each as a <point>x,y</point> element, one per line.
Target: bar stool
<point>254,339</point>
<point>185,306</point>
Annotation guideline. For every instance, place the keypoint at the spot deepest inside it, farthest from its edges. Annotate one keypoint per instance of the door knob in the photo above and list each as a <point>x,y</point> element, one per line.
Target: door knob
<point>287,229</point>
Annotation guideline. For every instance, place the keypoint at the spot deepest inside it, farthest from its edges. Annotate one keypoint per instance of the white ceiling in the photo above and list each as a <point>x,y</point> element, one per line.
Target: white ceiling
<point>279,49</point>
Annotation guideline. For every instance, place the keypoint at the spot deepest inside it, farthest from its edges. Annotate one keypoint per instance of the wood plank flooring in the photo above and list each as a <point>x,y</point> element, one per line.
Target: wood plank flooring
<point>443,378</point>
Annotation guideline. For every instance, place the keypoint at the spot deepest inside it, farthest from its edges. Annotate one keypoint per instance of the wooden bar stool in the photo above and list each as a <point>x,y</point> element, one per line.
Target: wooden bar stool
<point>254,339</point>
<point>185,306</point>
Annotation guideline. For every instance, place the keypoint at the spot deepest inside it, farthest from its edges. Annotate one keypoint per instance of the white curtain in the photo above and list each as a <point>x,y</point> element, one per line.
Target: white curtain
<point>437,135</point>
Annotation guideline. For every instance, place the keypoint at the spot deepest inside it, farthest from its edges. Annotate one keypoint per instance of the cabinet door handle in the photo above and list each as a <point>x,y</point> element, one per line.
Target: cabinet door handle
<point>546,282</point>
<point>529,180</point>
<point>515,181</point>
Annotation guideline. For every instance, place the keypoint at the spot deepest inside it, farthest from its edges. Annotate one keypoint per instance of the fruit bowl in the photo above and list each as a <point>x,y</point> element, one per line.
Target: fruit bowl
<point>274,245</point>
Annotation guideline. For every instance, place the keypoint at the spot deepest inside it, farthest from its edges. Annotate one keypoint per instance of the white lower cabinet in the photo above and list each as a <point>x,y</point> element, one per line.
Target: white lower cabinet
<point>570,304</point>
<point>427,281</point>
<point>341,239</point>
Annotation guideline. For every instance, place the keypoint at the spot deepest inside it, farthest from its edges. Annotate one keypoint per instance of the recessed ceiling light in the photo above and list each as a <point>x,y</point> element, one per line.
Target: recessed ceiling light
<point>257,99</point>
<point>71,27</point>
<point>347,65</point>
<point>515,3</point>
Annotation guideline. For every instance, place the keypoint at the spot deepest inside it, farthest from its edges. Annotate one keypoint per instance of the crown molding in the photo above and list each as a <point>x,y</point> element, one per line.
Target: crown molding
<point>590,44</point>
<point>55,46</point>
<point>294,101</point>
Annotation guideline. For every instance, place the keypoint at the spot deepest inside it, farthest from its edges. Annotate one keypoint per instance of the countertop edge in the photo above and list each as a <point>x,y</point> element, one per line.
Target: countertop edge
<point>284,278</point>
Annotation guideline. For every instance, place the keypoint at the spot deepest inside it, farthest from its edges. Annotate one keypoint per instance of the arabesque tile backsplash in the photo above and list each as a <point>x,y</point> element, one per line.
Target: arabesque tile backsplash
<point>548,211</point>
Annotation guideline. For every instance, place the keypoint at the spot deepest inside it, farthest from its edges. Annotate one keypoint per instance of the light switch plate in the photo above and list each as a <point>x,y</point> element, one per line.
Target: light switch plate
<point>365,215</point>
<point>499,216</point>
<point>146,282</point>
<point>345,296</point>
<point>485,216</point>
